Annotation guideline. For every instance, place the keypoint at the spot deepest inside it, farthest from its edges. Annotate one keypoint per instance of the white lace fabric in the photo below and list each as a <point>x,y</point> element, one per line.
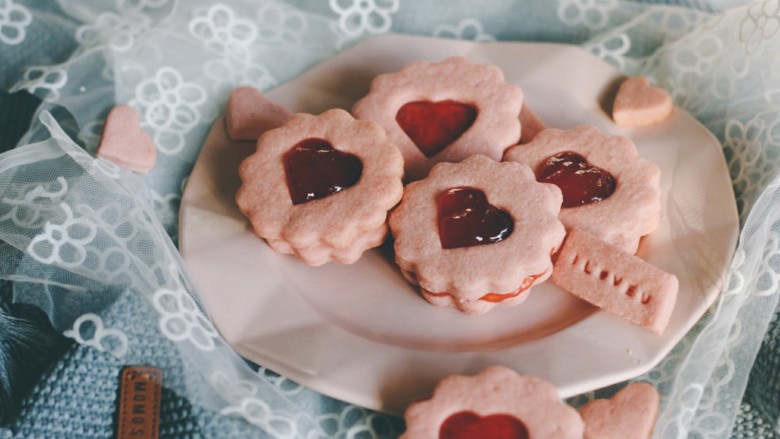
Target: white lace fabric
<point>75,226</point>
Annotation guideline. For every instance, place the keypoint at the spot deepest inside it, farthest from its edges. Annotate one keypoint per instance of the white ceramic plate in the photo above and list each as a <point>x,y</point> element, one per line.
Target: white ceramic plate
<point>361,334</point>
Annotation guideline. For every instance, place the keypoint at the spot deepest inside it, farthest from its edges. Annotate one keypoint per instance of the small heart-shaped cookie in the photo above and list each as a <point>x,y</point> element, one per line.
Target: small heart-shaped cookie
<point>637,103</point>
<point>249,114</point>
<point>629,414</point>
<point>125,143</point>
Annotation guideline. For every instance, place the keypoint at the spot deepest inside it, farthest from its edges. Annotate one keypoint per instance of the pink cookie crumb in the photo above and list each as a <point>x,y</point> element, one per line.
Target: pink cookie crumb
<point>616,281</point>
<point>125,143</point>
<point>249,114</point>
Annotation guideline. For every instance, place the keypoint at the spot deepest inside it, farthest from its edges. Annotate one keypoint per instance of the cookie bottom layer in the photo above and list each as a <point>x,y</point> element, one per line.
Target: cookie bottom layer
<point>478,306</point>
<point>320,254</point>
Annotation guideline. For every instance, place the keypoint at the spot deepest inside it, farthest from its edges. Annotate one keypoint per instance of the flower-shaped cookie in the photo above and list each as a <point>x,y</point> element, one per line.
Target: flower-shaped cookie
<point>496,403</point>
<point>608,190</point>
<point>444,112</point>
<point>320,187</point>
<point>477,233</point>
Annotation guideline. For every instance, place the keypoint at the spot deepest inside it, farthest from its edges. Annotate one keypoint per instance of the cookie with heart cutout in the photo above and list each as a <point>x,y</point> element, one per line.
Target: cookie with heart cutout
<point>444,112</point>
<point>477,234</point>
<point>320,187</point>
<point>608,189</point>
<point>497,403</point>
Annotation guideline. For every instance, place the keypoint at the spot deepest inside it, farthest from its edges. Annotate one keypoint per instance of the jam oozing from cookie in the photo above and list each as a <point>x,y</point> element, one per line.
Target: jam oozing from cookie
<point>469,425</point>
<point>315,170</point>
<point>527,283</point>
<point>433,126</point>
<point>466,219</point>
<point>581,183</point>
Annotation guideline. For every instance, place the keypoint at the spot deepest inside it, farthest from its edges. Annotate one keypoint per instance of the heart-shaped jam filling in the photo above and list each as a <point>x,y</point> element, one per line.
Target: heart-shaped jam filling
<point>580,182</point>
<point>467,219</point>
<point>315,170</point>
<point>469,425</point>
<point>433,126</point>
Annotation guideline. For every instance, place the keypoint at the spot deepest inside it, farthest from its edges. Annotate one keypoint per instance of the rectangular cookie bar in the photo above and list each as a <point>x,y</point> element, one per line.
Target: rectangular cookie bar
<point>616,281</point>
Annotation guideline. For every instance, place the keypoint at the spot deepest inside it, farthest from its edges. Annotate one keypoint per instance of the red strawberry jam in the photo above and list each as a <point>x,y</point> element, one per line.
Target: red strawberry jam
<point>527,283</point>
<point>469,425</point>
<point>466,219</point>
<point>433,126</point>
<point>580,182</point>
<point>315,170</point>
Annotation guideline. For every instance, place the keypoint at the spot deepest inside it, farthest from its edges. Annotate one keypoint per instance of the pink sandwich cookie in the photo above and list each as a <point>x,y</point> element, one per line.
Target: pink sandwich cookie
<point>444,112</point>
<point>477,234</point>
<point>630,414</point>
<point>616,281</point>
<point>637,103</point>
<point>608,190</point>
<point>497,403</point>
<point>320,187</point>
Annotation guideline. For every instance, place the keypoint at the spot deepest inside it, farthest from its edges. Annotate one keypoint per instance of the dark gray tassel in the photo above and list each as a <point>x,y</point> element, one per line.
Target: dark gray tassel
<point>16,112</point>
<point>28,346</point>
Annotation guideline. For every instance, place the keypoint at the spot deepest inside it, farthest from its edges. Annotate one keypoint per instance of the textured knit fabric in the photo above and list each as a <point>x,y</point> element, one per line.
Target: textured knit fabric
<point>762,391</point>
<point>751,425</point>
<point>77,396</point>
